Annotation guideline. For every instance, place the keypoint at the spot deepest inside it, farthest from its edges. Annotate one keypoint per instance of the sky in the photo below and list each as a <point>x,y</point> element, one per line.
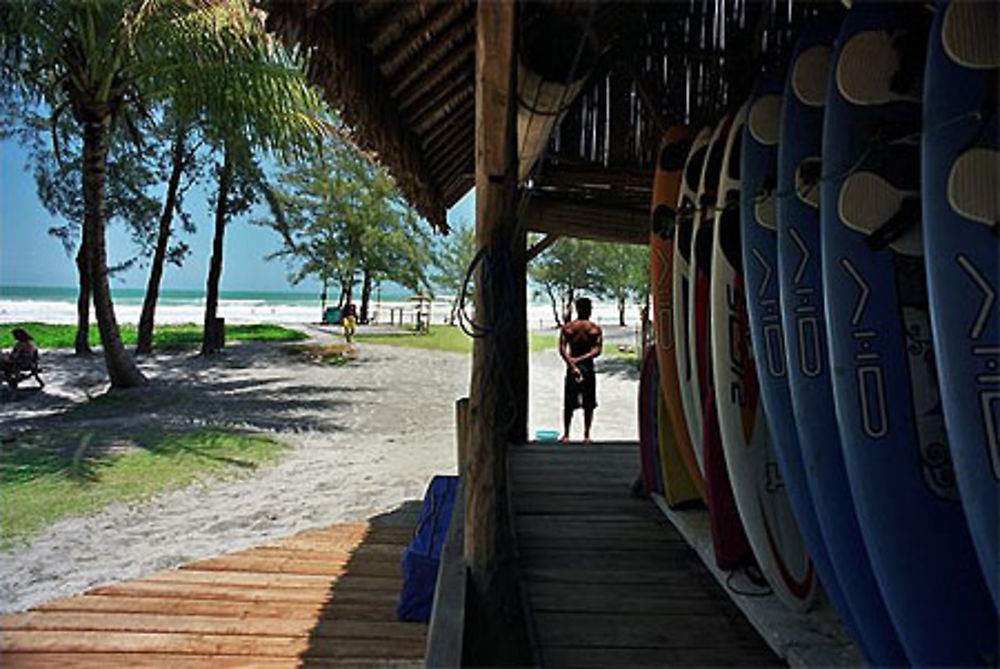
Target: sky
<point>29,256</point>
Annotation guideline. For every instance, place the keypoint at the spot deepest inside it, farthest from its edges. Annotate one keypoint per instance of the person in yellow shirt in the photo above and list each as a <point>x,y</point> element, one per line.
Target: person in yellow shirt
<point>350,321</point>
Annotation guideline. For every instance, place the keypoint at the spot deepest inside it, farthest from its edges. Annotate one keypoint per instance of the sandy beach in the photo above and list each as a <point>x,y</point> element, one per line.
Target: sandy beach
<point>363,438</point>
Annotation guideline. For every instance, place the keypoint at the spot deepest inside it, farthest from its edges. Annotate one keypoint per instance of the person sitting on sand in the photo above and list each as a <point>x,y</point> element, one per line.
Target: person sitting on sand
<point>579,343</point>
<point>22,357</point>
<point>350,320</point>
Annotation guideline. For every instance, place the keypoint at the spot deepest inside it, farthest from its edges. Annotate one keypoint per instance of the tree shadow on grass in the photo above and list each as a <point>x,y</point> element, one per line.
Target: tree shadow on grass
<point>76,457</point>
<point>79,455</point>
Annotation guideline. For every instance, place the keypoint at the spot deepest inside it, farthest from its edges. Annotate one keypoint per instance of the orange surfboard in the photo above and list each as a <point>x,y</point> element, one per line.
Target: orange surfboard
<point>674,149</point>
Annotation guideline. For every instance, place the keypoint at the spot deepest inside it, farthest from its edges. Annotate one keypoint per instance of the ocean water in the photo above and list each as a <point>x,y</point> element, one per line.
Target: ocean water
<point>58,305</point>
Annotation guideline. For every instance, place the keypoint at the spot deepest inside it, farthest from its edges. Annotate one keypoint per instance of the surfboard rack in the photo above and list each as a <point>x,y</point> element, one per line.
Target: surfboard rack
<point>813,639</point>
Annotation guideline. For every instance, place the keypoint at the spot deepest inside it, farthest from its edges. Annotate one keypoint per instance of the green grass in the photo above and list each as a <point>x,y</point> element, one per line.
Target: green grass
<point>165,337</point>
<point>53,476</point>
<point>630,356</point>
<point>448,338</point>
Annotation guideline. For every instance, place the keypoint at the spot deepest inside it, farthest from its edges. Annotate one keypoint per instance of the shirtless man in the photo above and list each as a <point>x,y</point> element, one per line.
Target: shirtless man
<point>579,343</point>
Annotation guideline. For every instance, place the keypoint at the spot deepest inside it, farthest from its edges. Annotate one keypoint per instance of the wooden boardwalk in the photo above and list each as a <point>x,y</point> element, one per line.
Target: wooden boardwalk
<point>320,598</point>
<point>609,581</point>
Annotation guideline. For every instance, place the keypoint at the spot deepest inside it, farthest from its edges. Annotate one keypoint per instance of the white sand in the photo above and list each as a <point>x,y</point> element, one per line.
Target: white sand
<point>364,438</point>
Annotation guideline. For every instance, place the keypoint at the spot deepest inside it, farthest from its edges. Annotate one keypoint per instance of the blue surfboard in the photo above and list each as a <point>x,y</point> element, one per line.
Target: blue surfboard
<point>758,218</point>
<point>885,387</point>
<point>811,392</point>
<point>960,205</point>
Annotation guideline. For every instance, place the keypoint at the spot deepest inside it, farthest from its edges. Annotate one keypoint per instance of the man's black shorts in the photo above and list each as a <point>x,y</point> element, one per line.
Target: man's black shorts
<point>583,393</point>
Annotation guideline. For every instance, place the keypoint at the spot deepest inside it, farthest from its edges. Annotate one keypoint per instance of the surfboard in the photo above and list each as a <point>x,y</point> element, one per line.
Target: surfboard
<point>759,237</point>
<point>648,447</point>
<point>678,489</point>
<point>683,345</point>
<point>753,470</point>
<point>729,541</point>
<point>810,385</point>
<point>652,415</point>
<point>674,150</point>
<point>961,182</point>
<point>886,392</point>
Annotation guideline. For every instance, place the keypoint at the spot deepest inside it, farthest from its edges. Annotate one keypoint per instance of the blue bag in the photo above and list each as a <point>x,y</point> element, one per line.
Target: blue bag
<point>422,556</point>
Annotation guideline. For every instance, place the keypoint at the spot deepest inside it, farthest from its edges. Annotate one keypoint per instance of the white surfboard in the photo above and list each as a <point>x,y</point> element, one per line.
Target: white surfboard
<point>687,371</point>
<point>750,460</point>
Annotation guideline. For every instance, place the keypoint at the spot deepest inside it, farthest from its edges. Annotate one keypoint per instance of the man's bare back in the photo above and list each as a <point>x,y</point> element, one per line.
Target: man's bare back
<point>583,339</point>
<point>580,341</point>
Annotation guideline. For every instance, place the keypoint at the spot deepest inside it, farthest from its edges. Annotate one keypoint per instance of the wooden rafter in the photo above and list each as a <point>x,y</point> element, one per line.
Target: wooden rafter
<point>435,24</point>
<point>466,111</point>
<point>586,220</point>
<point>455,62</point>
<point>436,96</point>
<point>435,52</point>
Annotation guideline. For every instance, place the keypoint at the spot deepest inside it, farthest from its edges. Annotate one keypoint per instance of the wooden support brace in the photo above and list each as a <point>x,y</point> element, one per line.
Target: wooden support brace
<point>540,246</point>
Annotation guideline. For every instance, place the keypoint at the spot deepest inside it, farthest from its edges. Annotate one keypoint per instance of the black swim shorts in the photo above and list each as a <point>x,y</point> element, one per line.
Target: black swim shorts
<point>581,393</point>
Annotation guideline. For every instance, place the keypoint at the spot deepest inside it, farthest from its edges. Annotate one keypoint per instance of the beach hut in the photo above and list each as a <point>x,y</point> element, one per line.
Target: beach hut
<point>553,112</point>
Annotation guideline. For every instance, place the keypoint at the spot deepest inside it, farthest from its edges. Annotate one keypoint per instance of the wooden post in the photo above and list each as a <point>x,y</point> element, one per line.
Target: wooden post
<point>462,432</point>
<point>496,357</point>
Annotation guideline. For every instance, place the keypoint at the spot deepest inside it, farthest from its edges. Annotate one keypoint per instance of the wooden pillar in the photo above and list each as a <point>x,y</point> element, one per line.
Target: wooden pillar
<point>518,432</point>
<point>492,402</point>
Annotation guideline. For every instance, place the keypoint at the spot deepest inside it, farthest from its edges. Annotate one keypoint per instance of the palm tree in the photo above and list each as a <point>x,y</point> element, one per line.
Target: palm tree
<point>107,61</point>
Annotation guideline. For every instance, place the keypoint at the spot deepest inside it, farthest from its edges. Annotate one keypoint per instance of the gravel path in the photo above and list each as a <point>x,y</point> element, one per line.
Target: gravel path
<point>365,438</point>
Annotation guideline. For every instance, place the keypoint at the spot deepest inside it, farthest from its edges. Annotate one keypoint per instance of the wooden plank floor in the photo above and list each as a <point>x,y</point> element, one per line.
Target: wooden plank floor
<point>609,581</point>
<point>326,597</point>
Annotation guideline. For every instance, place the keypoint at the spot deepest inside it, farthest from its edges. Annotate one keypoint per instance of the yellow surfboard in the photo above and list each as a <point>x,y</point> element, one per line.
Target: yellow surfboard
<point>677,485</point>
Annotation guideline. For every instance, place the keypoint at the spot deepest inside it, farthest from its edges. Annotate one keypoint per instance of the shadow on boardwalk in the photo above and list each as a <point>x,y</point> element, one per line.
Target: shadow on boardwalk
<point>315,598</point>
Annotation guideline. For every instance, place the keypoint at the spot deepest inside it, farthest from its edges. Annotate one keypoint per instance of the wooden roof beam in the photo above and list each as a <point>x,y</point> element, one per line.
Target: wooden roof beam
<point>432,28</point>
<point>407,95</point>
<point>437,50</point>
<point>586,220</point>
<point>446,142</point>
<point>446,90</point>
<point>430,138</point>
<point>393,25</point>
<point>539,247</point>
<point>460,184</point>
<point>445,109</point>
<point>454,165</point>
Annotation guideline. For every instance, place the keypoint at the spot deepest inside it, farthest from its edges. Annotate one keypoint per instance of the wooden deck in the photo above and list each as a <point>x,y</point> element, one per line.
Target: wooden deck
<point>609,581</point>
<point>321,598</point>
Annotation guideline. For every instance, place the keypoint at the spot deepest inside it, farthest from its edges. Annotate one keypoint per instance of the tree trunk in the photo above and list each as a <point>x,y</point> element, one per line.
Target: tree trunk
<point>366,296</point>
<point>568,306</point>
<point>146,319</point>
<point>343,293</point>
<point>82,344</point>
<point>621,311</point>
<point>555,306</point>
<point>209,336</point>
<point>349,290</point>
<point>322,298</point>
<point>122,369</point>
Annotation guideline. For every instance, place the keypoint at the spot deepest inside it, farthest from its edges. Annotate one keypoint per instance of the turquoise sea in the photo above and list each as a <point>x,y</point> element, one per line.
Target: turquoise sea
<point>126,296</point>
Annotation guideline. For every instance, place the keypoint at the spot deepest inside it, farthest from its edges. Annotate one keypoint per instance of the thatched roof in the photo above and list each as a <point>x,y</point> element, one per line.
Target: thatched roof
<point>402,74</point>
<point>396,70</point>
